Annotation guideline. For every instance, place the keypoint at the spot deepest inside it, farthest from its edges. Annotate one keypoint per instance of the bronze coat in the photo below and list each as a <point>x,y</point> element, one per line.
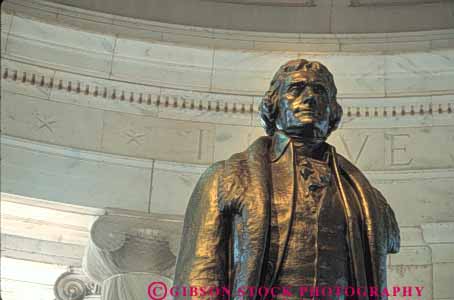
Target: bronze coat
<point>226,227</point>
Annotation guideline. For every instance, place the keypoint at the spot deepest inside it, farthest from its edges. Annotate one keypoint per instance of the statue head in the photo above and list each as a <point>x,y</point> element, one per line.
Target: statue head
<point>301,101</point>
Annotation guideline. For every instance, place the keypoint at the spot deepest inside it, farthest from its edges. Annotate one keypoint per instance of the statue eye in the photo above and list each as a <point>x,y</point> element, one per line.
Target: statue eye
<point>319,89</point>
<point>295,90</point>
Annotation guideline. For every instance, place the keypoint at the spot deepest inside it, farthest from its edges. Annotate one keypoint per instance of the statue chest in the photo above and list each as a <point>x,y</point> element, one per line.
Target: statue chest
<point>316,251</point>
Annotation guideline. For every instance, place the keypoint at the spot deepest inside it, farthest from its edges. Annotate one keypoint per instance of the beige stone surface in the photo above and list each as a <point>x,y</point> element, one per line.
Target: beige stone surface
<point>356,75</point>
<point>5,20</point>
<point>441,232</point>
<point>99,23</point>
<point>3,40</point>
<point>293,16</point>
<point>164,64</point>
<point>86,180</point>
<point>76,38</point>
<point>411,275</point>
<point>5,27</point>
<point>20,280</point>
<point>442,253</point>
<point>247,72</point>
<point>386,16</point>
<point>60,47</point>
<point>51,122</point>
<point>418,73</point>
<point>442,279</point>
<point>131,28</point>
<point>230,140</point>
<point>428,199</point>
<point>40,241</point>
<point>208,40</point>
<point>411,236</point>
<point>172,187</point>
<point>161,139</point>
<point>36,249</point>
<point>256,121</point>
<point>411,256</point>
<point>160,64</point>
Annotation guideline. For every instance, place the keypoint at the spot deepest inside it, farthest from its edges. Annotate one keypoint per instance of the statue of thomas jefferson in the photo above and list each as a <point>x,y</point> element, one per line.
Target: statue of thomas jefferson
<point>289,213</point>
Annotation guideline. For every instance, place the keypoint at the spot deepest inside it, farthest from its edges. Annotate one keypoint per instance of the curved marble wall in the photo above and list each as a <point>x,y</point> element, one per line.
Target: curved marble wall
<point>284,16</point>
<point>102,114</point>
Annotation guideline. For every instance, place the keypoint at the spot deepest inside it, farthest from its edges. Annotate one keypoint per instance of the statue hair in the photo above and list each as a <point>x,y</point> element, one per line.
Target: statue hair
<point>268,108</point>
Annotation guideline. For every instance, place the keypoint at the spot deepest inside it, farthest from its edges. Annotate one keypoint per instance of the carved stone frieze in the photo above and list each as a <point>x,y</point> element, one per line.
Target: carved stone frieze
<point>168,101</point>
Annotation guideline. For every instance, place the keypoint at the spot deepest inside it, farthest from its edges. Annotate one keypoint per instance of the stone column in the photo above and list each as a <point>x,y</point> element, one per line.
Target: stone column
<point>128,250</point>
<point>74,285</point>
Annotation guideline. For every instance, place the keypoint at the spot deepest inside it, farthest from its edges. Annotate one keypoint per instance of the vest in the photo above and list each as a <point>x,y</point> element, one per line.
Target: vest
<point>317,251</point>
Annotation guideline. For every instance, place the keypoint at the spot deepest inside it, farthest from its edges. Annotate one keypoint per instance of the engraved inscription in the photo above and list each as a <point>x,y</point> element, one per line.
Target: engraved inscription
<point>45,122</point>
<point>199,152</point>
<point>349,152</point>
<point>134,137</point>
<point>398,149</point>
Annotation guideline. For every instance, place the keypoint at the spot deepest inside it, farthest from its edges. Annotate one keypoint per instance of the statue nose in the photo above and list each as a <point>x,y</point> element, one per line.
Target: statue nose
<point>309,100</point>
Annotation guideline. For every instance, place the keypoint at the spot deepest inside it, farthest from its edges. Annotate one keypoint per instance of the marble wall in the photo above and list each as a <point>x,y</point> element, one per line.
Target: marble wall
<point>308,16</point>
<point>43,243</point>
<point>365,71</point>
<point>97,117</point>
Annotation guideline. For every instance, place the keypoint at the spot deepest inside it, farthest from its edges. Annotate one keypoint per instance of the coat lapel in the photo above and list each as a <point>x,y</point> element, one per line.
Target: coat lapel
<point>373,227</point>
<point>283,182</point>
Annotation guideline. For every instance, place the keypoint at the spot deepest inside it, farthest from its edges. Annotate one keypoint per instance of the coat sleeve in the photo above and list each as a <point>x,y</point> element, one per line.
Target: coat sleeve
<point>202,259</point>
<point>390,222</point>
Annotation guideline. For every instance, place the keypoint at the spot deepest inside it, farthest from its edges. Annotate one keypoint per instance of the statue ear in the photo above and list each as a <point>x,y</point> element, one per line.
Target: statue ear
<point>268,110</point>
<point>335,116</point>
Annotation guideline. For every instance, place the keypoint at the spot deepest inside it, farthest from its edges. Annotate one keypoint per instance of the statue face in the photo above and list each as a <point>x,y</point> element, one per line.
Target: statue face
<point>303,106</point>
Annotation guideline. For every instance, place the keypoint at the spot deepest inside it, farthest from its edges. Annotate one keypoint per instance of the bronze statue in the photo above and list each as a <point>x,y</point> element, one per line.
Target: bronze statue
<point>289,213</point>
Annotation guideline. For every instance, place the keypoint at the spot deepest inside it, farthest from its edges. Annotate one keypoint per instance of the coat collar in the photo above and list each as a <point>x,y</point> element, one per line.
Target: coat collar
<point>278,145</point>
<point>283,194</point>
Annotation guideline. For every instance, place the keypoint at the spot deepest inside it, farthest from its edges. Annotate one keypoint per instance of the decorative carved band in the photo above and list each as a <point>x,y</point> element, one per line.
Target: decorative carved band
<point>182,102</point>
